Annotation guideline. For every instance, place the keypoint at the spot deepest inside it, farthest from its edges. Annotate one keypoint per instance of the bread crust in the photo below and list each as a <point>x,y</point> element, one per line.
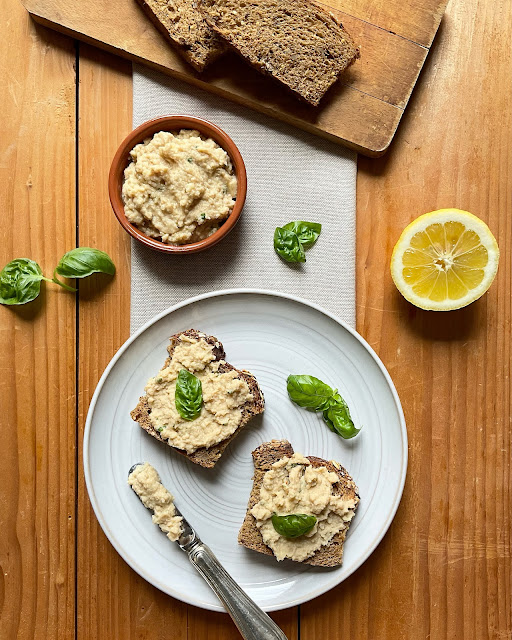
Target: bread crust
<point>330,555</point>
<point>309,68</point>
<point>199,53</point>
<point>205,457</point>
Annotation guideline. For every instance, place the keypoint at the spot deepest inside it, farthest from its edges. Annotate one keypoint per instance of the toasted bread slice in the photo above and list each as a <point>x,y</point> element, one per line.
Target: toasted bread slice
<point>295,41</point>
<point>206,457</point>
<point>330,555</point>
<point>182,23</point>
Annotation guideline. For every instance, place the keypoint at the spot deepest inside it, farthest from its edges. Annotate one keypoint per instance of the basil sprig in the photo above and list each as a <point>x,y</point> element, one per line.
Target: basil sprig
<point>291,239</point>
<point>307,232</point>
<point>337,418</point>
<point>20,279</point>
<point>288,246</point>
<point>84,261</point>
<point>189,395</point>
<point>311,393</point>
<point>294,525</point>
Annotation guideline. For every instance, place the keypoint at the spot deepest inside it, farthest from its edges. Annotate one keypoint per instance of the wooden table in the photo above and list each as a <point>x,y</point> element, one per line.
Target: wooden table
<point>444,568</point>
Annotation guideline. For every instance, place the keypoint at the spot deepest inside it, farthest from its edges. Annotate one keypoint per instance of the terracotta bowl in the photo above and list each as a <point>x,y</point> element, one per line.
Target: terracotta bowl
<point>175,123</point>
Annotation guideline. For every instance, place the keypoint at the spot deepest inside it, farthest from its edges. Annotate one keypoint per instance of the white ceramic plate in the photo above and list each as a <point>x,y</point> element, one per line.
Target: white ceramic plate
<point>271,335</point>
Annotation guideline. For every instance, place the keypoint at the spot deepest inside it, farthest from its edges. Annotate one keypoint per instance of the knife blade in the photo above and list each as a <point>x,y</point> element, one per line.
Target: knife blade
<point>252,622</point>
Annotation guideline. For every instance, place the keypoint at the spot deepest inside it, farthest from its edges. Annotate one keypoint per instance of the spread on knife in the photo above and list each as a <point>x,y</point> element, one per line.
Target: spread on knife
<point>145,481</point>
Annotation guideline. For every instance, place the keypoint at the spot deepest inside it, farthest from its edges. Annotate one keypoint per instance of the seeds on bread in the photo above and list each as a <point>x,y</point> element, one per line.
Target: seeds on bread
<point>204,456</point>
<point>183,24</point>
<point>329,555</point>
<point>298,43</point>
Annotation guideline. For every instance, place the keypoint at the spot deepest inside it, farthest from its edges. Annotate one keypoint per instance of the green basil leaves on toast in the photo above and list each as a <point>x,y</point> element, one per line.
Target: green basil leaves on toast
<point>294,525</point>
<point>189,395</point>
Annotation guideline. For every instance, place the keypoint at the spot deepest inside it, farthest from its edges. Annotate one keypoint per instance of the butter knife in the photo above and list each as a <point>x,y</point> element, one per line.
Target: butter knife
<point>252,622</point>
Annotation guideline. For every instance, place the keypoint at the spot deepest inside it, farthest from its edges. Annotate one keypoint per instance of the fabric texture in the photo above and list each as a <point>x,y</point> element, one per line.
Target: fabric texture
<point>291,175</point>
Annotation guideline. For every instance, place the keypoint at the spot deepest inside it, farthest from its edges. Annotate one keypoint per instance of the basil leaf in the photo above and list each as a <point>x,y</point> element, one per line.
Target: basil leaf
<point>189,395</point>
<point>337,418</point>
<point>20,281</point>
<point>294,525</point>
<point>288,246</point>
<point>83,261</point>
<point>337,399</point>
<point>307,232</point>
<point>309,392</point>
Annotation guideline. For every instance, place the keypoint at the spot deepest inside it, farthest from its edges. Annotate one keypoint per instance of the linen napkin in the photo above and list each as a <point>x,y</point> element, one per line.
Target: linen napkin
<point>291,175</point>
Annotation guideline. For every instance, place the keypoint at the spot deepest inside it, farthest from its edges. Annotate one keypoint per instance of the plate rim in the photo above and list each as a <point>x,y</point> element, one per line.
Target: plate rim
<point>218,294</point>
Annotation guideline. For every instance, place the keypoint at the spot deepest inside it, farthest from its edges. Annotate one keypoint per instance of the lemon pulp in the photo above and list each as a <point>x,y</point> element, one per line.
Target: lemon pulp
<point>444,260</point>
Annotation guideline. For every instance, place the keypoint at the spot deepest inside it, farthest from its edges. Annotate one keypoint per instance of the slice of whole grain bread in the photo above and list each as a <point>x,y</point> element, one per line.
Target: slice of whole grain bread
<point>206,457</point>
<point>183,24</point>
<point>330,555</point>
<point>297,42</point>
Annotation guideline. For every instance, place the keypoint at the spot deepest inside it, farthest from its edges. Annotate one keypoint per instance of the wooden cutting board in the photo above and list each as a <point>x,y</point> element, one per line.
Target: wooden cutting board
<point>361,111</point>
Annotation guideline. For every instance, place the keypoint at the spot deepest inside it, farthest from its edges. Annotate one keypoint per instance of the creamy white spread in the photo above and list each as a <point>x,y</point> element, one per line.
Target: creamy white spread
<point>179,187</point>
<point>294,486</point>
<point>146,483</point>
<point>223,396</point>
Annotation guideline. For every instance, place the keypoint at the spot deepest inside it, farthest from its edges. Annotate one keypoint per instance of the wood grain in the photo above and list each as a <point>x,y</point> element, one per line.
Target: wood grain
<point>109,603</point>
<point>362,110</point>
<point>416,20</point>
<point>37,355</point>
<point>444,569</point>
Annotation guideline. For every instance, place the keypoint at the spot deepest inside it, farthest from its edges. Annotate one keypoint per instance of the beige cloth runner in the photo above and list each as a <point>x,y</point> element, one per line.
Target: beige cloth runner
<point>292,175</point>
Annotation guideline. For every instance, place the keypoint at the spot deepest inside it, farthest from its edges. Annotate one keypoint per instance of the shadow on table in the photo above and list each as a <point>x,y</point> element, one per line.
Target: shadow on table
<point>94,286</point>
<point>29,311</point>
<point>205,268</point>
<point>460,325</point>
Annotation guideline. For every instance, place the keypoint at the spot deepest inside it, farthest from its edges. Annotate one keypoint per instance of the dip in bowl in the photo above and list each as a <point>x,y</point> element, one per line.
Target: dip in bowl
<point>178,184</point>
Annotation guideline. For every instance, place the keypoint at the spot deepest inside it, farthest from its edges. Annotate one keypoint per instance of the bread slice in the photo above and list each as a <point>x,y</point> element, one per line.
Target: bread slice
<point>183,24</point>
<point>330,555</point>
<point>206,457</point>
<point>295,41</point>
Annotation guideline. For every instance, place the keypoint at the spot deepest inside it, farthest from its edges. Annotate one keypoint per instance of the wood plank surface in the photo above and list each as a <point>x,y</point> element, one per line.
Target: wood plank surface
<point>37,354</point>
<point>109,603</point>
<point>416,20</point>
<point>362,110</point>
<point>443,571</point>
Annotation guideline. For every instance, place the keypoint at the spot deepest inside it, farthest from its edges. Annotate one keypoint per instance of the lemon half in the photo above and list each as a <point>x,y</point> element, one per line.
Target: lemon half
<point>445,260</point>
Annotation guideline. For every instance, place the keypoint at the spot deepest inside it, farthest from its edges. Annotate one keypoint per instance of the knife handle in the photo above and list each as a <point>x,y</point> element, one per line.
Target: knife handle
<point>252,622</point>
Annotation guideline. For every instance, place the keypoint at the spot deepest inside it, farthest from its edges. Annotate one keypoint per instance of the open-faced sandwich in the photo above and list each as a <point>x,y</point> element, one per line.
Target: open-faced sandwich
<point>300,508</point>
<point>197,403</point>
